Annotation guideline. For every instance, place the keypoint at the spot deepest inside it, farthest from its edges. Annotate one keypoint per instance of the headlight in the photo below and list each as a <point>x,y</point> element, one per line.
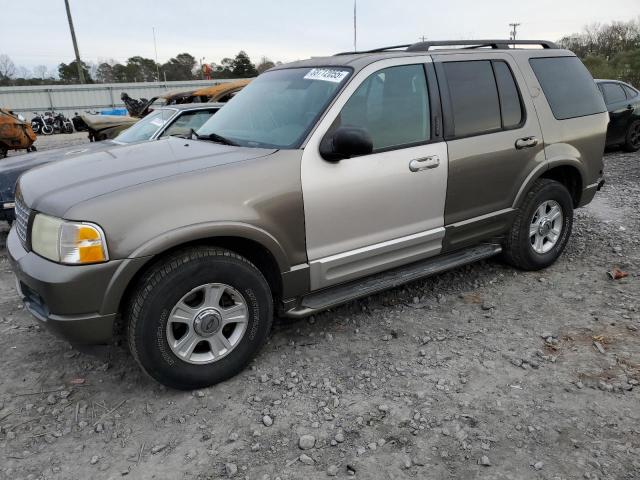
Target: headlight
<point>72,243</point>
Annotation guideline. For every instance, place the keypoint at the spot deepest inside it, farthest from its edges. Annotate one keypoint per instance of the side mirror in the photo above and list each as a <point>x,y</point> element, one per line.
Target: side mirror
<point>346,142</point>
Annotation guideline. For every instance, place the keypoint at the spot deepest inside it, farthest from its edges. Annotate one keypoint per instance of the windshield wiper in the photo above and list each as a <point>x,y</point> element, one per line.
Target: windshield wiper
<point>213,137</point>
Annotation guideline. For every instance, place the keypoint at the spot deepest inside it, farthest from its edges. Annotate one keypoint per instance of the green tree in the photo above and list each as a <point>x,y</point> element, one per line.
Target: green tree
<point>242,66</point>
<point>141,69</point>
<point>104,73</point>
<point>264,65</point>
<point>68,73</point>
<point>180,68</point>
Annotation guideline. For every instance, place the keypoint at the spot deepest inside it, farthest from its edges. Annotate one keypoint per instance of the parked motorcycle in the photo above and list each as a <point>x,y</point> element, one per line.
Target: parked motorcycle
<point>79,124</point>
<point>62,124</point>
<point>41,125</point>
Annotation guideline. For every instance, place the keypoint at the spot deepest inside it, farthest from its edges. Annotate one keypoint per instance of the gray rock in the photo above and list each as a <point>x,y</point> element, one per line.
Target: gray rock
<point>306,442</point>
<point>306,459</point>
<point>484,461</point>
<point>267,421</point>
<point>332,470</point>
<point>538,465</point>
<point>94,460</point>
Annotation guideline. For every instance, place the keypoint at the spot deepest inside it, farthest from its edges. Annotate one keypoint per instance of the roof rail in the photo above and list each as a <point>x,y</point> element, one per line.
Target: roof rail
<point>466,44</point>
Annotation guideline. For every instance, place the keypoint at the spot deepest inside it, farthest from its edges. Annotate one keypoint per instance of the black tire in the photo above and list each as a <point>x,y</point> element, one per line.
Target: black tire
<point>3,152</point>
<point>517,249</point>
<point>162,287</point>
<point>632,139</point>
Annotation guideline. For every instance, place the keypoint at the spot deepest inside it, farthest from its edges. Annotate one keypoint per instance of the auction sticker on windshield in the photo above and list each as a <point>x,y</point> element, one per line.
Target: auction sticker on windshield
<point>326,74</point>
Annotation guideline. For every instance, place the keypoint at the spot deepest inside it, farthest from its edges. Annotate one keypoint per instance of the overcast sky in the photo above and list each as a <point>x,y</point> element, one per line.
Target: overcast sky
<point>35,32</point>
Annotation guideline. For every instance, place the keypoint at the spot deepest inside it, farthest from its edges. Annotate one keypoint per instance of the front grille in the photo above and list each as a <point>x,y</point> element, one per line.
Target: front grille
<point>22,214</point>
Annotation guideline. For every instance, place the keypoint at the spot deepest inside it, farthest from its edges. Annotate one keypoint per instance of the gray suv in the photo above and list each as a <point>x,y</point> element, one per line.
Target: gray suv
<point>323,181</point>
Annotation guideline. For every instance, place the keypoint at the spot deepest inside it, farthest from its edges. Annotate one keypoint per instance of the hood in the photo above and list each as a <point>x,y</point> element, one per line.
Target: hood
<point>56,187</point>
<point>22,163</point>
<point>11,168</point>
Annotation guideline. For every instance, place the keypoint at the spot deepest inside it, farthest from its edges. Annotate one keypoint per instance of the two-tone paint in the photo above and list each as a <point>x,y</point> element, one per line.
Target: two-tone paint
<point>306,223</point>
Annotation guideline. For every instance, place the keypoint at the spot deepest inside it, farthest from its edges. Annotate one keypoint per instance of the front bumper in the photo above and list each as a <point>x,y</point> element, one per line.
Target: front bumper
<point>66,299</point>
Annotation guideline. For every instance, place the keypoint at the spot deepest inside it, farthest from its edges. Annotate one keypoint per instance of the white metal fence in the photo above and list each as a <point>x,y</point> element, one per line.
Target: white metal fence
<point>80,98</point>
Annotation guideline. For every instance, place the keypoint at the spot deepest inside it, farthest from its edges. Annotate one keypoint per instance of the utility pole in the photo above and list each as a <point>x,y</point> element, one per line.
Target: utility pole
<point>155,47</point>
<point>75,42</point>
<point>423,38</point>
<point>514,32</point>
<point>355,26</point>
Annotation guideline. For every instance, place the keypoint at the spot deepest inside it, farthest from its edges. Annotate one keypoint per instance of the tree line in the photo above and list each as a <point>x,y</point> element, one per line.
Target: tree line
<point>609,51</point>
<point>183,66</point>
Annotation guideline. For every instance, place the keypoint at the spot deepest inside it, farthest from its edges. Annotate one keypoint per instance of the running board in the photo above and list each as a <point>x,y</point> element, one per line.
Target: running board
<point>334,296</point>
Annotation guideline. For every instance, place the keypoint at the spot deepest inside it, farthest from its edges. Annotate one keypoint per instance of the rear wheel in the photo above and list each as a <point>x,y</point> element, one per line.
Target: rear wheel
<point>199,317</point>
<point>47,130</point>
<point>632,141</point>
<point>542,226</point>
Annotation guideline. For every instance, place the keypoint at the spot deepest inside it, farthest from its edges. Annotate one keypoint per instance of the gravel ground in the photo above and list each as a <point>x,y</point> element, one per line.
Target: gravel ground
<point>483,372</point>
<point>47,142</point>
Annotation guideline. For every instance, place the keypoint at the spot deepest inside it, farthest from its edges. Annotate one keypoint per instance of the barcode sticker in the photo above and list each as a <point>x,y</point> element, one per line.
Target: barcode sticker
<point>326,75</point>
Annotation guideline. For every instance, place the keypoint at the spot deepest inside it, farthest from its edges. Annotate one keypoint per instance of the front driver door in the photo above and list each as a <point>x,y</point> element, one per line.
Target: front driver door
<point>373,212</point>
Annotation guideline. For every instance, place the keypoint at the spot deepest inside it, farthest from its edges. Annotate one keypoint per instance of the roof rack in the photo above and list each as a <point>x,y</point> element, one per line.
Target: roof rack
<point>465,44</point>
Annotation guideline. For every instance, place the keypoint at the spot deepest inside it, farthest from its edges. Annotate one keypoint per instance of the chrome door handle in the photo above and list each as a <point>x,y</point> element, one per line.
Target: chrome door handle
<point>526,142</point>
<point>425,163</point>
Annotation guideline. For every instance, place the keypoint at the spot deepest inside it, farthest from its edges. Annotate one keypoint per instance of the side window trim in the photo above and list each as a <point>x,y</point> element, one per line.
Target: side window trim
<point>447,107</point>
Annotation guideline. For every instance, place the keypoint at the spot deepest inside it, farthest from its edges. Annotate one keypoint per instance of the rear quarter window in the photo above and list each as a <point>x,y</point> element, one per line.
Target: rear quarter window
<point>568,86</point>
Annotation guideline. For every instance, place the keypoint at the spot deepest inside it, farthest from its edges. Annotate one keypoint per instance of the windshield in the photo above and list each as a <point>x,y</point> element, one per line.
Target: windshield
<point>278,109</point>
<point>145,128</point>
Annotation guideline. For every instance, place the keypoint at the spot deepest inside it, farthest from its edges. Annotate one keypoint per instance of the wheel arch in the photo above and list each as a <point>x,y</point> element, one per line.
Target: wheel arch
<point>569,172</point>
<point>257,246</point>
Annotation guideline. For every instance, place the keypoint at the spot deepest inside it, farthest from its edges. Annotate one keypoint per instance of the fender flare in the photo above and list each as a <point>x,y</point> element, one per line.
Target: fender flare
<point>541,169</point>
<point>131,266</point>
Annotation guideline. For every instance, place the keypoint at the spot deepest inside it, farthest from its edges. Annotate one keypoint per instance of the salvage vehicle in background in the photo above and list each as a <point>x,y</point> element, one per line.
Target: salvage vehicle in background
<point>15,133</point>
<point>623,103</point>
<point>102,127</point>
<point>161,123</point>
<point>323,181</point>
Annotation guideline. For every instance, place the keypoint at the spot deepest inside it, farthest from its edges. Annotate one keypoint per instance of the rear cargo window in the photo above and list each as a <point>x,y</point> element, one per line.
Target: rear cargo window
<point>568,86</point>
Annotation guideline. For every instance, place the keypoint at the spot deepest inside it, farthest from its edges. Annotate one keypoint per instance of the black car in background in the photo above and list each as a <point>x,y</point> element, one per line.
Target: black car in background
<point>623,103</point>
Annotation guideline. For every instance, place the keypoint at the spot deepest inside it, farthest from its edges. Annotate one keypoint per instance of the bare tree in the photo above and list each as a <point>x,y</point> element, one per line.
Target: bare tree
<point>7,67</point>
<point>40,71</point>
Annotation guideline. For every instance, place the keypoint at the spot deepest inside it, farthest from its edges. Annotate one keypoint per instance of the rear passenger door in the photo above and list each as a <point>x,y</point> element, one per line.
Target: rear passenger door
<point>494,141</point>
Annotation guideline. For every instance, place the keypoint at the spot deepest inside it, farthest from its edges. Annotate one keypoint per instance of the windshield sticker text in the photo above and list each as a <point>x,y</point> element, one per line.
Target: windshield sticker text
<point>326,74</point>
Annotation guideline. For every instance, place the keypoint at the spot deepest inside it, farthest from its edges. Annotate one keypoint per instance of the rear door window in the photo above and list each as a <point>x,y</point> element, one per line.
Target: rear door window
<point>568,87</point>
<point>474,97</point>
<point>484,97</point>
<point>510,104</point>
<point>613,93</point>
<point>631,93</point>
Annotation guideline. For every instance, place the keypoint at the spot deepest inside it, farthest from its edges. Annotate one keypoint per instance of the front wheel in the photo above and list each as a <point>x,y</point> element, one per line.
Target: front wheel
<point>47,129</point>
<point>542,226</point>
<point>632,140</point>
<point>198,317</point>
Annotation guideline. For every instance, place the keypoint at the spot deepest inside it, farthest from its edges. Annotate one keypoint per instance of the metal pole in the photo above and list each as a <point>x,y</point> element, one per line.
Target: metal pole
<point>75,42</point>
<point>155,47</point>
<point>355,26</point>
